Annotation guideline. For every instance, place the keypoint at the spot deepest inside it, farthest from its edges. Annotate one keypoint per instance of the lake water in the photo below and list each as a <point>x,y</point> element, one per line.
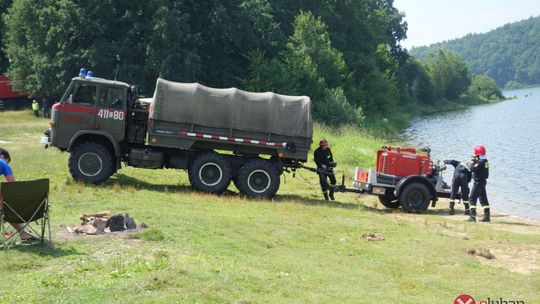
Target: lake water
<point>510,132</point>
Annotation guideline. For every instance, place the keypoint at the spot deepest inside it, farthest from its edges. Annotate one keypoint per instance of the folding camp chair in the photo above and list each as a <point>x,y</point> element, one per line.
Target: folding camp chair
<point>25,203</point>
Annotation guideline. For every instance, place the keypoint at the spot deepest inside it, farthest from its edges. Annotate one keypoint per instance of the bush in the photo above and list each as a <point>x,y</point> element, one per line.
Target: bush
<point>485,87</point>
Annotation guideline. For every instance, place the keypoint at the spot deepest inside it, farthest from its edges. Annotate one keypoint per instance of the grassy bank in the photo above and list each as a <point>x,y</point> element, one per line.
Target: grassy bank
<point>225,249</point>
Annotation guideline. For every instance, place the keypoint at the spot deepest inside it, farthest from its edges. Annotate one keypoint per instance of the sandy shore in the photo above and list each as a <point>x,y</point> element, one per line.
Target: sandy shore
<point>523,258</point>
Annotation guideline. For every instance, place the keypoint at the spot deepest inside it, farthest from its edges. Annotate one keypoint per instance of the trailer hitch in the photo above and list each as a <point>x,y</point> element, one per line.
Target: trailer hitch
<point>342,188</point>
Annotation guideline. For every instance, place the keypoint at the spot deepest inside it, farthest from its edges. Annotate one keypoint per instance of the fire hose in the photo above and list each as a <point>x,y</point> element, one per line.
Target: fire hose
<point>330,172</point>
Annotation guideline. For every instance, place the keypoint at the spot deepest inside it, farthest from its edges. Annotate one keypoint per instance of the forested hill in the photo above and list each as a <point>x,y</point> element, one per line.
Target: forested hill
<point>509,54</point>
<point>345,55</point>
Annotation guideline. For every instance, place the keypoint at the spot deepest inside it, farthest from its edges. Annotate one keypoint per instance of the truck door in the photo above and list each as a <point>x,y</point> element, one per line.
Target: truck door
<point>76,112</point>
<point>111,113</point>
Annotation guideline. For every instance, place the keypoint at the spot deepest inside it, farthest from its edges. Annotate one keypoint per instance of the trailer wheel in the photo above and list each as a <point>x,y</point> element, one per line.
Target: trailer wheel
<point>258,178</point>
<point>210,172</point>
<point>389,200</point>
<point>91,162</point>
<point>415,198</point>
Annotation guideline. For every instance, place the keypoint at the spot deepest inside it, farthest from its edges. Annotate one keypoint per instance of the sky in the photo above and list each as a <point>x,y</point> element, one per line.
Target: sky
<point>432,21</point>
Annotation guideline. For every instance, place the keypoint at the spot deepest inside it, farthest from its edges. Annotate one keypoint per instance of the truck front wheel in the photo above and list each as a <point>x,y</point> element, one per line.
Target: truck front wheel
<point>91,162</point>
<point>210,172</point>
<point>258,178</point>
<point>415,198</point>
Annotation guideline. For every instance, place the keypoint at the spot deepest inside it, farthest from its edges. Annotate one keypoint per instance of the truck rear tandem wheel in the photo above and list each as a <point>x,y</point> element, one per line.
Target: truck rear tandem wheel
<point>210,172</point>
<point>91,162</point>
<point>258,178</point>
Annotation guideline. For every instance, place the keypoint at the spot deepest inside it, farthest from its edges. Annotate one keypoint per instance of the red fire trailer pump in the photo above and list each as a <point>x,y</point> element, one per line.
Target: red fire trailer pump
<point>403,177</point>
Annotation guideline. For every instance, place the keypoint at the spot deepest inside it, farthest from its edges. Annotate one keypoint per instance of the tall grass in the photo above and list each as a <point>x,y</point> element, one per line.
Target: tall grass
<point>297,248</point>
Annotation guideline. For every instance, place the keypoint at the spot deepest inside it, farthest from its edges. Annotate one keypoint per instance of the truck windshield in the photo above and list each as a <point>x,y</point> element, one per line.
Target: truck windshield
<point>83,94</point>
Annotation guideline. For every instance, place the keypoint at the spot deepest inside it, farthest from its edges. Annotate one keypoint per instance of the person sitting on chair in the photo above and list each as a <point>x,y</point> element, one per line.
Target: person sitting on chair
<point>6,171</point>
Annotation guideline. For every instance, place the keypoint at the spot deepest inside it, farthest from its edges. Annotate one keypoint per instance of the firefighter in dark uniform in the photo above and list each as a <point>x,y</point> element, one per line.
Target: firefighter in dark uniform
<point>325,163</point>
<point>460,181</point>
<point>480,174</point>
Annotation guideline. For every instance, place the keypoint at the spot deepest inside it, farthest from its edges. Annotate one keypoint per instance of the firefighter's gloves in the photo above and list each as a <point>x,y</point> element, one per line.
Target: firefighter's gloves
<point>329,167</point>
<point>474,158</point>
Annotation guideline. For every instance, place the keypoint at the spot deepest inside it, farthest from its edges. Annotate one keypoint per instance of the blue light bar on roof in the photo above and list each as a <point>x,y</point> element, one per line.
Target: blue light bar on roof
<point>82,73</point>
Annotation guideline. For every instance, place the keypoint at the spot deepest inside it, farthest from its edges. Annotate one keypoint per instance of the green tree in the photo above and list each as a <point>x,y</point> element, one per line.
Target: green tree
<point>360,30</point>
<point>311,40</point>
<point>4,61</point>
<point>485,87</point>
<point>269,75</point>
<point>136,41</point>
<point>227,32</point>
<point>417,82</point>
<point>173,45</point>
<point>309,65</point>
<point>424,88</point>
<point>345,54</point>
<point>449,73</point>
<point>43,44</point>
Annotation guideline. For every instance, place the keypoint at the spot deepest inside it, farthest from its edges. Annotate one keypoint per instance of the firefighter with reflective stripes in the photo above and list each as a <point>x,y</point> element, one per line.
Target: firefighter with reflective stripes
<point>325,163</point>
<point>480,174</point>
<point>460,182</point>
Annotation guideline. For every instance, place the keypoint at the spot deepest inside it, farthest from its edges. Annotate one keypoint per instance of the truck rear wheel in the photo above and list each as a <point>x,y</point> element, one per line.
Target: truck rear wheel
<point>210,172</point>
<point>258,178</point>
<point>415,198</point>
<point>389,200</point>
<point>91,162</point>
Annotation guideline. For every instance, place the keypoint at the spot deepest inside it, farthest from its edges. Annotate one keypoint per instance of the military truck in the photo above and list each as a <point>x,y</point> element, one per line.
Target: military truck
<point>217,135</point>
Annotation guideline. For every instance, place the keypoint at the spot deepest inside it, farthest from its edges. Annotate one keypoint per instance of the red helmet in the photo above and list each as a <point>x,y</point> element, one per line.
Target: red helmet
<point>323,142</point>
<point>479,150</point>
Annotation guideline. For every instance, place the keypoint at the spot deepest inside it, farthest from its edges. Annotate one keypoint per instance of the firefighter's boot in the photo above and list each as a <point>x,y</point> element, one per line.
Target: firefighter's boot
<point>452,211</point>
<point>466,205</point>
<point>331,194</point>
<point>325,194</point>
<point>472,217</point>
<point>486,217</point>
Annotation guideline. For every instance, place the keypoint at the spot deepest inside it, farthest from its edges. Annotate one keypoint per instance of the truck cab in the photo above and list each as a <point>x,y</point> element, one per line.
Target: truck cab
<point>91,123</point>
<point>90,106</point>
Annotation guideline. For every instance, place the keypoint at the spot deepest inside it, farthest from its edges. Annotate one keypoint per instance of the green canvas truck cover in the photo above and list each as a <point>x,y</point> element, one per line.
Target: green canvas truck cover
<point>231,108</point>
